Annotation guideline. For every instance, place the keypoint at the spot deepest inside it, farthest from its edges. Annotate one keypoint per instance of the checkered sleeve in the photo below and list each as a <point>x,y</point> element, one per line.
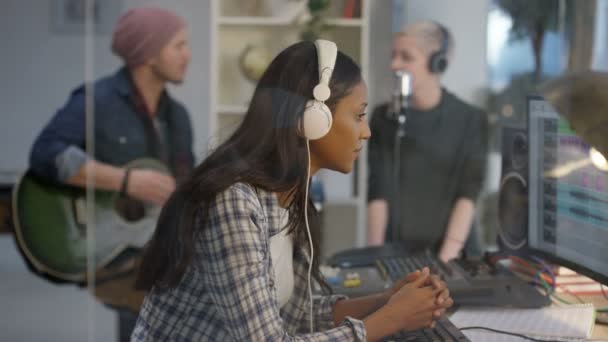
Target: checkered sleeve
<point>296,311</point>
<point>324,316</point>
<point>235,270</point>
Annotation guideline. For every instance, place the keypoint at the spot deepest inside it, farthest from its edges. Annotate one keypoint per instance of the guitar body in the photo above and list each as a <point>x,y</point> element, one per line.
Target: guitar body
<point>53,231</point>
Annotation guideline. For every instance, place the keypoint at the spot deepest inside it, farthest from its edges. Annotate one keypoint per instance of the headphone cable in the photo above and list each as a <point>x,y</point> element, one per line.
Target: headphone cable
<point>312,253</point>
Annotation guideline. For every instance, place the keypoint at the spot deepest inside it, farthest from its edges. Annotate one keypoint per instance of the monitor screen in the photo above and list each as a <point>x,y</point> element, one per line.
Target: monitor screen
<point>568,195</point>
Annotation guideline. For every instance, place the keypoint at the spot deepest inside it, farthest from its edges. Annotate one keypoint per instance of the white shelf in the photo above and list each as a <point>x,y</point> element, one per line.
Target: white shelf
<point>276,28</point>
<point>345,22</point>
<point>282,21</point>
<point>10,176</point>
<point>254,21</point>
<point>232,109</point>
<point>289,15</point>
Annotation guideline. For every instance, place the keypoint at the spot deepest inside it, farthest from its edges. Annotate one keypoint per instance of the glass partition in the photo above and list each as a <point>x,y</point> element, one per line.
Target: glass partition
<point>101,123</point>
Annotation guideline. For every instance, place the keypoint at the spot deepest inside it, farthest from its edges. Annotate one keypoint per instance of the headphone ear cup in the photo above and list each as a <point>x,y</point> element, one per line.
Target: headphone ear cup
<point>437,63</point>
<point>316,120</point>
<point>442,64</point>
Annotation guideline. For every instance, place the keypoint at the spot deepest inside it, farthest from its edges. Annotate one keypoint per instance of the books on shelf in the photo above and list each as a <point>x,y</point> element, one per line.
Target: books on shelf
<point>284,14</point>
<point>352,9</point>
<point>568,281</point>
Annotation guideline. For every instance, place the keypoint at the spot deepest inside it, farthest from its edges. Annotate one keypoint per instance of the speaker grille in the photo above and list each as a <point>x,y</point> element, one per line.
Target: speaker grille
<point>513,194</point>
<point>513,211</point>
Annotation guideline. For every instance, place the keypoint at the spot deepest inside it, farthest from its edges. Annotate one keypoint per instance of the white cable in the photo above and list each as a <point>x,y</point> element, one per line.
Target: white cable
<point>312,252</point>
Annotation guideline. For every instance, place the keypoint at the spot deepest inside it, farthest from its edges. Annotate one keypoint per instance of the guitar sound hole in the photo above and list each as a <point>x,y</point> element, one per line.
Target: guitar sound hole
<point>129,209</point>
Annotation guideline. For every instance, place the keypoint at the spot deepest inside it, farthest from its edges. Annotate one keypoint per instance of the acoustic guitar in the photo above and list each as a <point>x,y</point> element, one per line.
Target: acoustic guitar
<point>54,229</point>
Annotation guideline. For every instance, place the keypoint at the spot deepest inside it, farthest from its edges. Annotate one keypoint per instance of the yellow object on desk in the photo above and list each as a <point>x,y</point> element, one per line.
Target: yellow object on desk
<point>352,280</point>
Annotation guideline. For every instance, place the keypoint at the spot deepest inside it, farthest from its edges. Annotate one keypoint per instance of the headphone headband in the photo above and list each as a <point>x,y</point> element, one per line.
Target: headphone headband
<point>445,39</point>
<point>317,117</point>
<point>327,51</point>
<point>438,60</point>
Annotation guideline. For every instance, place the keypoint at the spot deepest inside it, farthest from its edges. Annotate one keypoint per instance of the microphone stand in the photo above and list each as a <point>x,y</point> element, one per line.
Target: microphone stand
<point>399,135</point>
<point>400,103</point>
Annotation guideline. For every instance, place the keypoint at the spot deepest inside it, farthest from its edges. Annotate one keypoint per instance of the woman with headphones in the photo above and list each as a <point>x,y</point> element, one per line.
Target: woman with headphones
<point>441,157</point>
<point>234,249</point>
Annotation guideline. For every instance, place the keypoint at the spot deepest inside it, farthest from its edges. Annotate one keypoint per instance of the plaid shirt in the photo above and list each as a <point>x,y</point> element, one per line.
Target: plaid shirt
<point>228,292</point>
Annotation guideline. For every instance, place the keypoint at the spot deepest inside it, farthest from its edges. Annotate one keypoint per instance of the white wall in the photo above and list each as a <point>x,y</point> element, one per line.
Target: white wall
<point>467,20</point>
<point>382,19</point>
<point>40,67</point>
<point>600,51</point>
<point>467,74</point>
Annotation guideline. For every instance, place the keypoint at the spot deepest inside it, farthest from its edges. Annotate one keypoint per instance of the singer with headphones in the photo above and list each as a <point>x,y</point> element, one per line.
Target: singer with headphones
<point>424,196</point>
<point>234,255</point>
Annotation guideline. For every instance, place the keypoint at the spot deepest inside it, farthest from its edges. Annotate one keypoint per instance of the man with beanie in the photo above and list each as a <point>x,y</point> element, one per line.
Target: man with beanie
<point>134,117</point>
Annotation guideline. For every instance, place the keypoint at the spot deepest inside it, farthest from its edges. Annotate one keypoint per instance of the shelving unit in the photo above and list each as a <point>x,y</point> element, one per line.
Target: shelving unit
<point>276,26</point>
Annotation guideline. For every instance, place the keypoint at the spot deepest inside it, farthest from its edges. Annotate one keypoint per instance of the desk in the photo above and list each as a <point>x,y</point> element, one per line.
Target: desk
<point>600,330</point>
<point>554,320</point>
<point>598,300</point>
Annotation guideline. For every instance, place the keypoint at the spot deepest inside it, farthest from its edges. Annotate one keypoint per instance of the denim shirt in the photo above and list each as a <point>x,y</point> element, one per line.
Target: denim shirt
<point>122,132</point>
<point>228,292</point>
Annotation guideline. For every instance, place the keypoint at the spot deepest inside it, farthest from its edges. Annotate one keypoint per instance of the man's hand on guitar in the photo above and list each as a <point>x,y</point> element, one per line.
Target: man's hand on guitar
<point>150,186</point>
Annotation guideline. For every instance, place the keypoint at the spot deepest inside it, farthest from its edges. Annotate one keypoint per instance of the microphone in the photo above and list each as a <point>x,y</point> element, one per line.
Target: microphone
<point>400,103</point>
<point>402,90</point>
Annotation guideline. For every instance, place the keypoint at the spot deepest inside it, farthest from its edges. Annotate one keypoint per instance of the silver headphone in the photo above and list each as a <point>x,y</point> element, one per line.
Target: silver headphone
<point>317,118</point>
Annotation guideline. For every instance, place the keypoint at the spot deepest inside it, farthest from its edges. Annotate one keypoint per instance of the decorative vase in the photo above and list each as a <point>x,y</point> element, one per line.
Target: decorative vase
<point>253,61</point>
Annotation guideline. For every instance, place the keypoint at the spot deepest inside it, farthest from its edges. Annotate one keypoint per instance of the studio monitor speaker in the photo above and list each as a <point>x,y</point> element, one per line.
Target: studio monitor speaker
<point>513,194</point>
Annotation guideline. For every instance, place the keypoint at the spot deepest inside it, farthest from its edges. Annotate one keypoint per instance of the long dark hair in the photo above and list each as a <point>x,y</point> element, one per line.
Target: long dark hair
<point>265,151</point>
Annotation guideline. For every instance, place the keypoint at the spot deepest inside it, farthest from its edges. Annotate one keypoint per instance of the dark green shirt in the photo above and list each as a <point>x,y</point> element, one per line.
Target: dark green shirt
<point>442,159</point>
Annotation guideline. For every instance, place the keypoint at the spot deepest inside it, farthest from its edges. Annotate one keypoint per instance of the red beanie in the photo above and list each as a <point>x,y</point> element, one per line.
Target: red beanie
<point>142,32</point>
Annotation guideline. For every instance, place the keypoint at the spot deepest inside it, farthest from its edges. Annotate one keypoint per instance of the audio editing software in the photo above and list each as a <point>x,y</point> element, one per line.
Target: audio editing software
<point>568,191</point>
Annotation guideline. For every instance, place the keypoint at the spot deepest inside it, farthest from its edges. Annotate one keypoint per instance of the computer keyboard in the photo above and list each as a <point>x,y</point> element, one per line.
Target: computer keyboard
<point>444,331</point>
<point>398,266</point>
<point>476,268</point>
<point>471,281</point>
<point>364,271</point>
<point>366,256</point>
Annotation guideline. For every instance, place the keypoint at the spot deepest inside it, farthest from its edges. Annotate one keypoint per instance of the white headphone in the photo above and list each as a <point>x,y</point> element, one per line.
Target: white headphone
<point>316,122</point>
<point>317,118</point>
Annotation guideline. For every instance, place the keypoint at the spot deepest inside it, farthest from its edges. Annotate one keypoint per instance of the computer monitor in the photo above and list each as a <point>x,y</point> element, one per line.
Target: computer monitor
<point>568,195</point>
